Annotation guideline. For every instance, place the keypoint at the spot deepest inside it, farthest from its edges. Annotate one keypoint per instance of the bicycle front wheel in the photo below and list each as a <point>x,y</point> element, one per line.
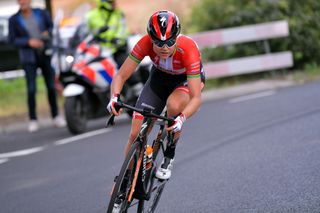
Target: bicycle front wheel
<point>120,192</point>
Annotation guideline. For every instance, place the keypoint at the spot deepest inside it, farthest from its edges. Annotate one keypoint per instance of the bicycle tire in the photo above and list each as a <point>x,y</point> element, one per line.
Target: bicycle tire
<point>120,189</point>
<point>153,201</point>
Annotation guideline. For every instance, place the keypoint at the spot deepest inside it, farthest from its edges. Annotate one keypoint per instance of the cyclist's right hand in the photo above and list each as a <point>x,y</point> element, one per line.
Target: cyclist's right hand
<point>112,103</point>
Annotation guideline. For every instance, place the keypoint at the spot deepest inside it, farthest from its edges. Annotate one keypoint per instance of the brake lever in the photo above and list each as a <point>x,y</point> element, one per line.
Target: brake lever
<point>117,107</point>
<point>110,121</point>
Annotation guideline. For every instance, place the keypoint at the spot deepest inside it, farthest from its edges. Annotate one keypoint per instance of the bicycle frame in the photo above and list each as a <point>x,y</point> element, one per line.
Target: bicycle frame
<point>147,125</point>
<point>142,139</point>
<point>145,180</point>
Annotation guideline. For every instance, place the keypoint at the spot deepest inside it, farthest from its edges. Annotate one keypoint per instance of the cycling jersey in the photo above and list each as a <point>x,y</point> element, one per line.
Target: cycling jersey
<point>168,74</point>
<point>184,60</point>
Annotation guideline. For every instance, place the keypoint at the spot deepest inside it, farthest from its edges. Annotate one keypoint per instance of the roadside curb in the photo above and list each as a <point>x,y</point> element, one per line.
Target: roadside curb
<point>208,95</point>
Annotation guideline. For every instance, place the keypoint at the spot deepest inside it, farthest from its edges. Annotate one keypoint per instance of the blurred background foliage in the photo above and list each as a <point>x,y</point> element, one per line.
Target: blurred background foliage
<point>303,18</point>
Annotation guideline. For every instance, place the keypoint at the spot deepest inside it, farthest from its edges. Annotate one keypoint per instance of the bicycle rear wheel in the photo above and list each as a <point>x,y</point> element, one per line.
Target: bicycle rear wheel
<point>149,205</point>
<point>119,198</point>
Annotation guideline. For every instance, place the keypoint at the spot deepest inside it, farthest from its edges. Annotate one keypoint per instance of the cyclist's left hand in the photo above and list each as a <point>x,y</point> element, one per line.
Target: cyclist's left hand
<point>178,122</point>
<point>111,106</point>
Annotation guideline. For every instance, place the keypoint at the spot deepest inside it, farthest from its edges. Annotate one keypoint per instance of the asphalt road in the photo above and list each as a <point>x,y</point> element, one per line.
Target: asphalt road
<point>254,153</point>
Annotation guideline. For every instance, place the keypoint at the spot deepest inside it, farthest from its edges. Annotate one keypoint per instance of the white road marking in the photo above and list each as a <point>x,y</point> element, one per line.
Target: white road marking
<point>82,136</point>
<point>4,157</point>
<point>4,160</point>
<point>252,96</point>
<point>21,152</point>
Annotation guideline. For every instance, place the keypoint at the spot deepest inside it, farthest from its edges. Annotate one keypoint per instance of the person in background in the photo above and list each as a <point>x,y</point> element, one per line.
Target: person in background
<point>115,37</point>
<point>29,30</point>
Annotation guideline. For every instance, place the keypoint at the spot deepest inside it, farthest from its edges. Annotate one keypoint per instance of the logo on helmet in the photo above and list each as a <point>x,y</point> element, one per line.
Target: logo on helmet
<point>163,21</point>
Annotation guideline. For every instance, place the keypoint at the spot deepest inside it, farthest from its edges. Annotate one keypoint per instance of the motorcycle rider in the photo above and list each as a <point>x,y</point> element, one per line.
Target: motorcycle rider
<point>115,37</point>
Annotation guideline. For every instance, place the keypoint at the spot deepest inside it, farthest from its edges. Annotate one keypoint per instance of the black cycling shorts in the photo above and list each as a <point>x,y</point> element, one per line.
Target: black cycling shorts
<point>158,87</point>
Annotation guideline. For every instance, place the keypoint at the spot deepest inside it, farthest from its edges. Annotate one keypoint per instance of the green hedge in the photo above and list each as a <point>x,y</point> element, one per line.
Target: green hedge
<point>303,18</point>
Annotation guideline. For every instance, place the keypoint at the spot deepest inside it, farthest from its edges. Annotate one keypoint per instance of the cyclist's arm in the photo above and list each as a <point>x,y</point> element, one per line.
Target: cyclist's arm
<point>194,85</point>
<point>192,61</point>
<point>126,70</point>
<point>129,66</point>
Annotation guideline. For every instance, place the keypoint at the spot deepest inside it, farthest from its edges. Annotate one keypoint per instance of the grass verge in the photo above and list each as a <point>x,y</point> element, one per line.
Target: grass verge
<point>13,99</point>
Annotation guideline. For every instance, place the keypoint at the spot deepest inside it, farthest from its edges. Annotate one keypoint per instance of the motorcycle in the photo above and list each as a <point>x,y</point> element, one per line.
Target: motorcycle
<point>87,82</point>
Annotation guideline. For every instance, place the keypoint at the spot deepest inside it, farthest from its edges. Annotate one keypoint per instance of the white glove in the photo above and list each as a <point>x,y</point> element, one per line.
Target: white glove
<point>112,102</point>
<point>178,122</point>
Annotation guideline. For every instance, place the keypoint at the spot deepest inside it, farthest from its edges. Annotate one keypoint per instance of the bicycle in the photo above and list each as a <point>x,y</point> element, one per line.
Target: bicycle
<point>136,179</point>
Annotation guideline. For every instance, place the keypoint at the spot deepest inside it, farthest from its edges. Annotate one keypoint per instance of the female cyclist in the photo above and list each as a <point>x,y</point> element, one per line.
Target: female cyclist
<point>175,81</point>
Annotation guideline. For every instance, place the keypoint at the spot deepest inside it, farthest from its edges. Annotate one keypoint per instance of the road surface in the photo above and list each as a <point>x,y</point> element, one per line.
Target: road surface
<point>252,153</point>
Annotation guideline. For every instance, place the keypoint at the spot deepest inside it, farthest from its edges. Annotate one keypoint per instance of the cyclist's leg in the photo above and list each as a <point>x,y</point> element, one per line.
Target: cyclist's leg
<point>176,102</point>
<point>135,128</point>
<point>149,97</point>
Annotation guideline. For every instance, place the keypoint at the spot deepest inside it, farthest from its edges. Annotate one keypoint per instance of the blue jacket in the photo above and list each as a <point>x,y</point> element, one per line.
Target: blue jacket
<point>19,36</point>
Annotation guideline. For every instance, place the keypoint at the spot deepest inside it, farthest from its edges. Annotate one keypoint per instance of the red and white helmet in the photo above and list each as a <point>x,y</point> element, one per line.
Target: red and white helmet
<point>163,28</point>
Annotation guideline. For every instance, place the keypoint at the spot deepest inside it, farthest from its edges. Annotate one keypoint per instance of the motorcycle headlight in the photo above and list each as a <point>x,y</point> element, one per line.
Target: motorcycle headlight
<point>69,59</point>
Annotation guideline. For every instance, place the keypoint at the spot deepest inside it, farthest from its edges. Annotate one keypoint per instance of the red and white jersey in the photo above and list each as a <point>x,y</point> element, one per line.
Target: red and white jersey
<point>184,60</point>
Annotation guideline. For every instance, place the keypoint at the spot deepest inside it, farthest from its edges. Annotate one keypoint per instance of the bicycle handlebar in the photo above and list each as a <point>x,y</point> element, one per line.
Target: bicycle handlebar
<point>145,112</point>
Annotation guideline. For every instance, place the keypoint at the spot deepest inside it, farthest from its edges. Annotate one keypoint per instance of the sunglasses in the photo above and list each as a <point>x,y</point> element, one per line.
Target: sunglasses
<point>169,42</point>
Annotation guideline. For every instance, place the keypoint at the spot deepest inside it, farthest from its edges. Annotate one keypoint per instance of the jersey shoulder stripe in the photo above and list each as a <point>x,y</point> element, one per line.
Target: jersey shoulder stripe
<point>134,58</point>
